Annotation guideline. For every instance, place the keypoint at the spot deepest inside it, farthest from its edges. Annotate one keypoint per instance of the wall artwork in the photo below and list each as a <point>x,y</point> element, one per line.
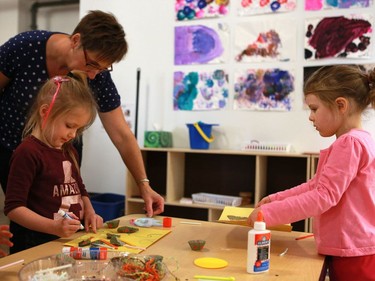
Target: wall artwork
<point>256,7</point>
<point>263,89</point>
<point>316,5</point>
<point>201,44</point>
<point>200,90</point>
<point>200,9</point>
<point>260,41</point>
<point>338,37</point>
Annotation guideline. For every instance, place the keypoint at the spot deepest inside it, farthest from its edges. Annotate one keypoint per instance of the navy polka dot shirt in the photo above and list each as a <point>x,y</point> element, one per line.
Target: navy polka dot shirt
<point>23,61</point>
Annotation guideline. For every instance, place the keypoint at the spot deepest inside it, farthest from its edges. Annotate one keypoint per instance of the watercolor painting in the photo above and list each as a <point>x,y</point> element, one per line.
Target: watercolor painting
<point>264,89</point>
<point>257,7</point>
<point>338,37</point>
<point>262,41</point>
<point>201,44</point>
<point>200,90</point>
<point>317,5</point>
<point>200,9</point>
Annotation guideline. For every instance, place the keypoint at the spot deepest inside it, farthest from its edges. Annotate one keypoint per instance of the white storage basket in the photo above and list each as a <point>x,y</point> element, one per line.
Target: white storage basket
<point>216,199</point>
<point>267,146</point>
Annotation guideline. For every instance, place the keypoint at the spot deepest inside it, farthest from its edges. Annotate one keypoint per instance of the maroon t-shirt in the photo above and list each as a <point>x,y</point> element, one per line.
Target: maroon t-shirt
<point>44,179</point>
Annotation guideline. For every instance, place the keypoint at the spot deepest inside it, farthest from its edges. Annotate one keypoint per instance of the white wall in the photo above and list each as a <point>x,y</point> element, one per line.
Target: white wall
<point>150,32</point>
<point>15,17</point>
<point>149,26</point>
<point>8,18</point>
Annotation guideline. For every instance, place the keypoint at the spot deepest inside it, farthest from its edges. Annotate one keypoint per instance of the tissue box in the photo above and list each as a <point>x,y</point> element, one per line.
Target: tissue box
<point>158,139</point>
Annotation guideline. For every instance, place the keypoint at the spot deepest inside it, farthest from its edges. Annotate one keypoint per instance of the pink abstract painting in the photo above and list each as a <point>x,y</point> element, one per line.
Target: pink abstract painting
<point>256,7</point>
<point>200,9</point>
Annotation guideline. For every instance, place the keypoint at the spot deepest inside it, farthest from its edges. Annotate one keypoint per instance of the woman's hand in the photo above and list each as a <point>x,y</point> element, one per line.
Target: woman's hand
<point>154,203</point>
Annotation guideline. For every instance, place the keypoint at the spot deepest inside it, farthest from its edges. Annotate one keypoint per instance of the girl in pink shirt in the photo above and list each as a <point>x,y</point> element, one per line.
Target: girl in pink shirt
<point>341,196</point>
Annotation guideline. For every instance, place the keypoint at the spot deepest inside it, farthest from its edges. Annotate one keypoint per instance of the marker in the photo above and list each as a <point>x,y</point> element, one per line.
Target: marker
<point>204,277</point>
<point>65,215</point>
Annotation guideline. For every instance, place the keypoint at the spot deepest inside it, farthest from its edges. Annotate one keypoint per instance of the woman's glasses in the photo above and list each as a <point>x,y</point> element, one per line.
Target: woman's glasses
<point>93,65</point>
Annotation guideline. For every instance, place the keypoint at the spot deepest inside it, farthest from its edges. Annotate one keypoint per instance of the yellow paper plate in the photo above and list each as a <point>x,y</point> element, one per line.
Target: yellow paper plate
<point>210,263</point>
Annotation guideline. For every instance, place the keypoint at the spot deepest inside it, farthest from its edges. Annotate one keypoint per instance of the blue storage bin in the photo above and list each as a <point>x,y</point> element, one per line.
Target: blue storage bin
<point>109,205</point>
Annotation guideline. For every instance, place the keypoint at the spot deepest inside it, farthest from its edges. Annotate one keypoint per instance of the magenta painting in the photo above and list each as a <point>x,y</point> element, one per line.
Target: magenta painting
<point>201,44</point>
<point>256,7</point>
<point>263,89</point>
<point>200,90</point>
<point>200,9</point>
<point>338,37</point>
<point>262,41</point>
<point>316,5</point>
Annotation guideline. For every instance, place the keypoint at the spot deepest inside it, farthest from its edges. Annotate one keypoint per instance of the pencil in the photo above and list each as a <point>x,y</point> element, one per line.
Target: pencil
<point>304,237</point>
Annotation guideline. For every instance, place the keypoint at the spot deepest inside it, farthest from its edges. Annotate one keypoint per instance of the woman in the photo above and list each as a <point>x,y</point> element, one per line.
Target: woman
<point>30,58</point>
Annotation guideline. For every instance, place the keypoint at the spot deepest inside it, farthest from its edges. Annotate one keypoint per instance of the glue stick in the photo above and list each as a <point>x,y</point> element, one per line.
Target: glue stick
<point>79,253</point>
<point>258,247</point>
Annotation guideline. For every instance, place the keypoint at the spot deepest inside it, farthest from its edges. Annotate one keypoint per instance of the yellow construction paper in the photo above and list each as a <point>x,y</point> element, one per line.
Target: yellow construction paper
<point>143,238</point>
<point>239,215</point>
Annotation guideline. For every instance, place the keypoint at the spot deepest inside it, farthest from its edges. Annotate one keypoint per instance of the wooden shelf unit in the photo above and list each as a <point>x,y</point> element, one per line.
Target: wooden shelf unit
<point>175,173</point>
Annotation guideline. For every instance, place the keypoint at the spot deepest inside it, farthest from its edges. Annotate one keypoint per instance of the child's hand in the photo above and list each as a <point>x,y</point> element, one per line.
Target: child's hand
<point>4,238</point>
<point>67,227</point>
<point>94,221</point>
<point>253,217</point>
<point>265,200</point>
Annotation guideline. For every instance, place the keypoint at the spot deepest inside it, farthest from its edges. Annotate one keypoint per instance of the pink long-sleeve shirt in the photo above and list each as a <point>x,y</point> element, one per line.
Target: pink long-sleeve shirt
<point>340,198</point>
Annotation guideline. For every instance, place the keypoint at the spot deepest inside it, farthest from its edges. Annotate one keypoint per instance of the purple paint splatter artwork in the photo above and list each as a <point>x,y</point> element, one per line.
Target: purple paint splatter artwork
<point>264,89</point>
<point>315,5</point>
<point>200,90</point>
<point>337,37</point>
<point>196,44</point>
<point>200,9</point>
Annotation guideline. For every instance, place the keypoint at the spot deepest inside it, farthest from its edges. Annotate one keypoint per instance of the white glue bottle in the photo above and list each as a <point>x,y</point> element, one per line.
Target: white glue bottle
<point>258,247</point>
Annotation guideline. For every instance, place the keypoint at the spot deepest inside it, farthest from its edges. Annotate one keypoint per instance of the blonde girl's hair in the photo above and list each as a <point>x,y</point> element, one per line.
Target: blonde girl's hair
<point>349,81</point>
<point>62,94</point>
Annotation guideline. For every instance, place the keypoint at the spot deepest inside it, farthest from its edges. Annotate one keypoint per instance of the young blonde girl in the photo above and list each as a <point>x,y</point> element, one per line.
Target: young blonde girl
<point>44,174</point>
<point>341,196</point>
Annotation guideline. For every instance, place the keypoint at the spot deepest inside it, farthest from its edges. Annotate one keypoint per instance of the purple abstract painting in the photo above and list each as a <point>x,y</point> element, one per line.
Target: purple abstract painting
<point>338,37</point>
<point>263,89</point>
<point>199,44</point>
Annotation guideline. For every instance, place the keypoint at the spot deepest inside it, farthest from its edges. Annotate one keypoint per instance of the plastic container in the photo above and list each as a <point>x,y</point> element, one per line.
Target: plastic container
<point>200,135</point>
<point>109,205</point>
<point>216,199</point>
<point>258,247</point>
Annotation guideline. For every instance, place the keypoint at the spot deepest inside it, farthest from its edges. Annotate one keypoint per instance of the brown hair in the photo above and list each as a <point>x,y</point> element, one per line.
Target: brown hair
<point>74,92</point>
<point>349,81</point>
<point>101,33</point>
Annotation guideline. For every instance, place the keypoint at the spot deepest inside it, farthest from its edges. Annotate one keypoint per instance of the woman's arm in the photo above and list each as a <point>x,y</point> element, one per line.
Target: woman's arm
<point>125,142</point>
